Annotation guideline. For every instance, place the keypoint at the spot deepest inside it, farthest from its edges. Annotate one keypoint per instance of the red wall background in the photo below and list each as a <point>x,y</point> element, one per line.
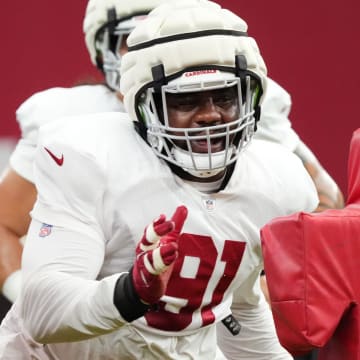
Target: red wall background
<point>310,47</point>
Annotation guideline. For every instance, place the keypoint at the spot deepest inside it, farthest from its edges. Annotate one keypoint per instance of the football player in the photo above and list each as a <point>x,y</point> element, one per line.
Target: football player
<point>96,285</point>
<point>106,27</point>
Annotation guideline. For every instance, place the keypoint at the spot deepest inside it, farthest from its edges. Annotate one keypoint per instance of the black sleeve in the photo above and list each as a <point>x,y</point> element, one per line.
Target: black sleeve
<point>127,300</point>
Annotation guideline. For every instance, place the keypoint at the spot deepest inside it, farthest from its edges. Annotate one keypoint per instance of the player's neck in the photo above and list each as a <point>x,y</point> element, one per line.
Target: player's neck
<point>218,177</point>
<point>208,187</point>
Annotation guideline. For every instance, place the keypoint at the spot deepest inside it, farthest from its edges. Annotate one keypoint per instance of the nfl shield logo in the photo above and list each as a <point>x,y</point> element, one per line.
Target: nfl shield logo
<point>209,204</point>
<point>45,230</point>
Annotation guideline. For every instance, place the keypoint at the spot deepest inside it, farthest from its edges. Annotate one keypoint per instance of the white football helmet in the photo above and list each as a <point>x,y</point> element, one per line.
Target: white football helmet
<point>192,46</point>
<point>105,24</point>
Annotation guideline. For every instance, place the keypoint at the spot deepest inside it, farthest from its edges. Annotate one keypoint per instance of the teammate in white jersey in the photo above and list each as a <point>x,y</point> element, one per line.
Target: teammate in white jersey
<point>106,27</point>
<point>96,285</point>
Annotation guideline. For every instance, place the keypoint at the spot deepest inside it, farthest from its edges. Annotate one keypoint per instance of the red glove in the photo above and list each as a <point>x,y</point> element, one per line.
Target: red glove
<point>155,256</point>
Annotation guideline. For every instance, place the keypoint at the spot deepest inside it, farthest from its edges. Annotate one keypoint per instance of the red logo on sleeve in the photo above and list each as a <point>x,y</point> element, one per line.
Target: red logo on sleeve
<point>59,160</point>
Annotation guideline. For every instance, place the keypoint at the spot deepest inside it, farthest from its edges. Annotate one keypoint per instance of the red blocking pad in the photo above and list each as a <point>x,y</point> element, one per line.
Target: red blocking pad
<point>312,265</point>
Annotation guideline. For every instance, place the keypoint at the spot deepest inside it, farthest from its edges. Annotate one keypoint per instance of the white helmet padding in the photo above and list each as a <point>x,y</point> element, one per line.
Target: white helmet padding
<point>105,23</point>
<point>191,36</point>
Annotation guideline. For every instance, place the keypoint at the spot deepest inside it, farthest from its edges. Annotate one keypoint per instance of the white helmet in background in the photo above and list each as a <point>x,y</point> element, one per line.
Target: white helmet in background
<point>191,46</point>
<point>105,24</point>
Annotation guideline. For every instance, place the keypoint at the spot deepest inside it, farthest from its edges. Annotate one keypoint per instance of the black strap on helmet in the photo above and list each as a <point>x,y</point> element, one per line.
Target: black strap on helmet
<point>159,79</point>
<point>112,23</point>
<point>158,73</point>
<point>241,71</point>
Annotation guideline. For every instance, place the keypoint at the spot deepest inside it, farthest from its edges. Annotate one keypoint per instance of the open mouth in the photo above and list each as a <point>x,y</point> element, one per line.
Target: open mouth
<point>213,145</point>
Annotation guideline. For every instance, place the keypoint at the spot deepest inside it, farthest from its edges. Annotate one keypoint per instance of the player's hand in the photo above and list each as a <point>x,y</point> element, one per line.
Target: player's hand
<point>155,256</point>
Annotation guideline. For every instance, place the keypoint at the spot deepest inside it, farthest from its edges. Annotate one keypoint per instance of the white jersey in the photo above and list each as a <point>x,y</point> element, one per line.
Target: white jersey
<point>49,105</point>
<point>99,185</point>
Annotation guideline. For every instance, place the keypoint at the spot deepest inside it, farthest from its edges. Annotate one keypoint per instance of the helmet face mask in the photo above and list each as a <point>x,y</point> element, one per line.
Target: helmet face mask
<point>110,43</point>
<point>108,56</point>
<point>178,145</point>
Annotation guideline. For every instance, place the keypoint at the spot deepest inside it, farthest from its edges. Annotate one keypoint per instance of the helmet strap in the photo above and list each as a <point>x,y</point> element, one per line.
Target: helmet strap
<point>158,73</point>
<point>159,79</point>
<point>241,72</point>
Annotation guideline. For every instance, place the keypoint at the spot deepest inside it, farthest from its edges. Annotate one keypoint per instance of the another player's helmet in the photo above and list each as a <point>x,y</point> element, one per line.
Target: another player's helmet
<point>105,24</point>
<point>191,46</point>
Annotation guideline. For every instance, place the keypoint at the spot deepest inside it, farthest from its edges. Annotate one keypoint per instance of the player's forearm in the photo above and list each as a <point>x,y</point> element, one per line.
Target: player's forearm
<point>61,299</point>
<point>58,307</point>
<point>330,195</point>
<point>10,262</point>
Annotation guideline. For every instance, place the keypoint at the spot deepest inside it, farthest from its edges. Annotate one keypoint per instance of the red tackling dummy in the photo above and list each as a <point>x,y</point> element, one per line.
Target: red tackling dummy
<point>312,263</point>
